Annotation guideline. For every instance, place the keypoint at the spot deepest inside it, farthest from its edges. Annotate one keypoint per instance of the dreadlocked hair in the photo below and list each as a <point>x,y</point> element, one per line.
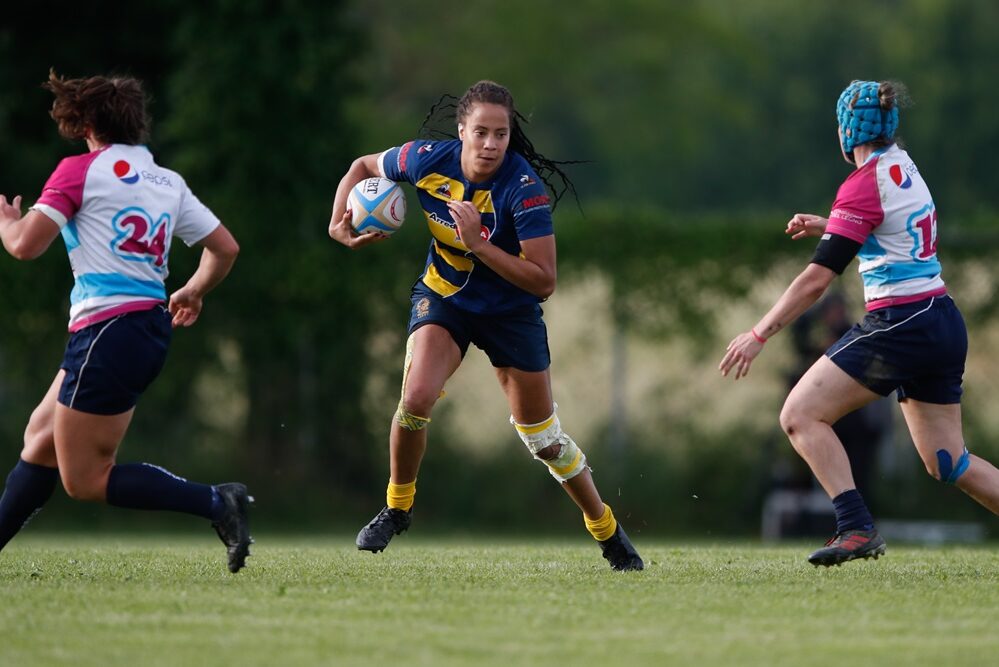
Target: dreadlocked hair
<point>113,108</point>
<point>449,109</point>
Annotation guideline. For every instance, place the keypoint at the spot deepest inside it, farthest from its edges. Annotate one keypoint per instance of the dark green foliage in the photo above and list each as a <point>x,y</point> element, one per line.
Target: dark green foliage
<point>704,125</point>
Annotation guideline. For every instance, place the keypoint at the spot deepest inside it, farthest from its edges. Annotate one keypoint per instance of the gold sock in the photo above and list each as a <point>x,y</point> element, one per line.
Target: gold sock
<point>603,528</point>
<point>400,496</point>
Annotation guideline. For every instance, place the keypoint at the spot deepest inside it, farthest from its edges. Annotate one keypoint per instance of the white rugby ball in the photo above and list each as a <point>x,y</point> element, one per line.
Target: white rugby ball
<point>377,205</point>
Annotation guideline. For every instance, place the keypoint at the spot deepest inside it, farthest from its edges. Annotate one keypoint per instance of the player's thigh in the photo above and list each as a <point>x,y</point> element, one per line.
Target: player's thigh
<point>934,427</point>
<point>432,358</point>
<point>39,441</point>
<point>529,394</point>
<point>824,393</point>
<point>86,445</point>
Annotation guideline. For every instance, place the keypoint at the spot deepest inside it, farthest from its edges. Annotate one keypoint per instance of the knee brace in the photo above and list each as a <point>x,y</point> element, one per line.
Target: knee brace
<point>949,472</point>
<point>570,460</point>
<point>404,417</point>
<point>409,421</point>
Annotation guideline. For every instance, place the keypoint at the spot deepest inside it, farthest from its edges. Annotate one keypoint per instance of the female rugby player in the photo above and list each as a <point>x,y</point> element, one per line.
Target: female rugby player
<point>491,261</point>
<point>913,340</point>
<point>117,211</point>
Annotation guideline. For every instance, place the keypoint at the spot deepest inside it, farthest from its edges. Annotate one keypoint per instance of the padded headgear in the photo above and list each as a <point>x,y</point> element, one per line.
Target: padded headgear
<point>861,118</point>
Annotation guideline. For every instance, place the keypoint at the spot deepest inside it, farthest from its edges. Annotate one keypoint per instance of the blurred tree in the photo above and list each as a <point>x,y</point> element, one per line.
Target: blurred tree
<point>705,124</point>
<point>34,296</point>
<point>258,122</point>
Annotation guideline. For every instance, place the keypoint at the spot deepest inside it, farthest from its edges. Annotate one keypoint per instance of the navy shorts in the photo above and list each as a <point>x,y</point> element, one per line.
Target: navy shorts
<point>917,349</point>
<point>514,339</point>
<point>109,364</point>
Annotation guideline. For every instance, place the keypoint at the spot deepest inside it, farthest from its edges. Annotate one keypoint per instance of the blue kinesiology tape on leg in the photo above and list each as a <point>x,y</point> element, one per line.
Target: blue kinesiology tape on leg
<point>949,473</point>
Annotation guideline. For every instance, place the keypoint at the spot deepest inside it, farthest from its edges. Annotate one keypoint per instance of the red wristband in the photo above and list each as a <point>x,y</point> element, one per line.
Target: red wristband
<point>759,339</point>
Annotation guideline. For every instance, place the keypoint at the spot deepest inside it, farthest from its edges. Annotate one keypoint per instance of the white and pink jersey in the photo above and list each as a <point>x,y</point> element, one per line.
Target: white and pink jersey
<point>118,211</point>
<point>886,206</point>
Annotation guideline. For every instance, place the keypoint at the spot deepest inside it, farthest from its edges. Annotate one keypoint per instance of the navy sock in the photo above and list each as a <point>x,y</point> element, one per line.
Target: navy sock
<point>29,486</point>
<point>143,486</point>
<point>852,512</point>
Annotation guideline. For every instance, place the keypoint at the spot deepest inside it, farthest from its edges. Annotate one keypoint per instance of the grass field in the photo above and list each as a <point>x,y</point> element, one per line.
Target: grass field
<point>168,601</point>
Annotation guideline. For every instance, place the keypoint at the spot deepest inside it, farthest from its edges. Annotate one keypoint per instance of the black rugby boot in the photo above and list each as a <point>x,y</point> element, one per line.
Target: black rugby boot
<point>620,553</point>
<point>234,526</point>
<point>849,545</point>
<point>389,522</point>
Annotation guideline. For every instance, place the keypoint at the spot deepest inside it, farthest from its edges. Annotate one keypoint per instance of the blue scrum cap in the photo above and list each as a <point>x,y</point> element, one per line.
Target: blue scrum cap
<point>861,118</point>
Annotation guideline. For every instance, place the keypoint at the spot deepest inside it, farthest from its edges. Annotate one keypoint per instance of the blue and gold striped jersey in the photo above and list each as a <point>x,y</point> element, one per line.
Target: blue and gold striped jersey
<point>514,206</point>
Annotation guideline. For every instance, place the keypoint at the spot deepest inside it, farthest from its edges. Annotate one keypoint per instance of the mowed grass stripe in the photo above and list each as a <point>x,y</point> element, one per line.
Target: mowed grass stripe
<point>169,601</point>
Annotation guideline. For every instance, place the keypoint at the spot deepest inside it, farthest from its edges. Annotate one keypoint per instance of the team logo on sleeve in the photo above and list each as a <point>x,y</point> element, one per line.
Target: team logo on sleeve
<point>525,180</point>
<point>425,148</point>
<point>847,216</point>
<point>403,153</point>
<point>125,172</point>
<point>535,202</point>
<point>900,178</point>
<point>422,308</point>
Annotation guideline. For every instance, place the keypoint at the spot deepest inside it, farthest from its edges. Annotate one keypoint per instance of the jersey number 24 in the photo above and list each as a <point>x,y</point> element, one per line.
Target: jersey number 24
<point>139,238</point>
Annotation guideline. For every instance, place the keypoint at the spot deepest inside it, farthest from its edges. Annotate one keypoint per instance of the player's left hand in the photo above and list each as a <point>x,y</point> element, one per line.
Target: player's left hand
<point>740,354</point>
<point>185,306</point>
<point>468,222</point>
<point>10,211</point>
<point>806,225</point>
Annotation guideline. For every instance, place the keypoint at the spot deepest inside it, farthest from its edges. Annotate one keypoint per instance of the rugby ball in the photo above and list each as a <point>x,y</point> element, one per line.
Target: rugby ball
<point>377,205</point>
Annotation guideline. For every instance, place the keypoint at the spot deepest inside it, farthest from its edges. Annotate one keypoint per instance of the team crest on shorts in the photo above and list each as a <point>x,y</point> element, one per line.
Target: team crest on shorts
<point>422,308</point>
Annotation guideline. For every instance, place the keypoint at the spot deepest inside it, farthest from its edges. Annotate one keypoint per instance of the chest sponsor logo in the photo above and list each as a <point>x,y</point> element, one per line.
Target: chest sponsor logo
<point>484,231</point>
<point>445,222</point>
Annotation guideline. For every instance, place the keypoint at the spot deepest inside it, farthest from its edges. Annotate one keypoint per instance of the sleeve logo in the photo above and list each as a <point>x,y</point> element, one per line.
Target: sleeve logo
<point>847,216</point>
<point>535,202</point>
<point>403,154</point>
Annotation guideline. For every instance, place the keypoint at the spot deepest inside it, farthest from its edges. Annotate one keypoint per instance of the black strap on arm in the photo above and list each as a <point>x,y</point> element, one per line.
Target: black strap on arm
<point>835,252</point>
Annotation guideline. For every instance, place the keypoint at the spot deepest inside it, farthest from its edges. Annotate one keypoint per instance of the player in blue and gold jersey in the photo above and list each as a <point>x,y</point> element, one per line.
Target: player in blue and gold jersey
<point>490,264</point>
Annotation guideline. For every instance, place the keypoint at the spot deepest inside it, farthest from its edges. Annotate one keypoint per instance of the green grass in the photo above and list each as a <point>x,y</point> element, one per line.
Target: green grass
<point>159,601</point>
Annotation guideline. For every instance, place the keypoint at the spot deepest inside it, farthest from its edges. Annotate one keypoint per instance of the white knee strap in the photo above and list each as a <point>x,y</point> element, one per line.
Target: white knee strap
<point>570,460</point>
